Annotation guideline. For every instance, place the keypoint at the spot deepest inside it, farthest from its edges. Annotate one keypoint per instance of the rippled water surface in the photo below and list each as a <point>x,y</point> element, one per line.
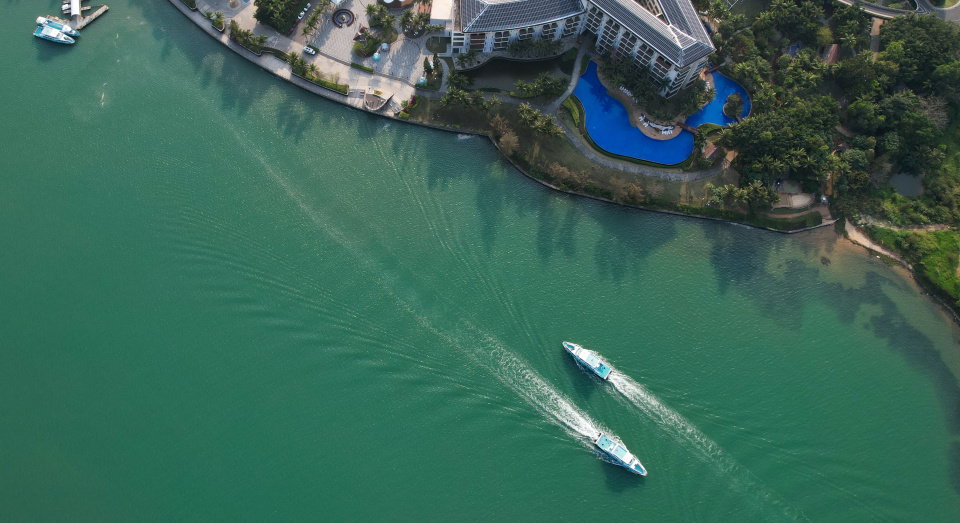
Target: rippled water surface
<point>224,299</point>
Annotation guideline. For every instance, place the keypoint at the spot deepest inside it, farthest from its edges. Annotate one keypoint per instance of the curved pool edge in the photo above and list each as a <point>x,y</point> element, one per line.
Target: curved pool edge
<point>585,133</point>
<point>621,140</point>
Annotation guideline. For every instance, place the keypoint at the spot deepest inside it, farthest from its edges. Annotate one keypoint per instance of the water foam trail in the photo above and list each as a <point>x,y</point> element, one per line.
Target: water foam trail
<point>670,420</point>
<point>526,382</point>
<point>683,430</point>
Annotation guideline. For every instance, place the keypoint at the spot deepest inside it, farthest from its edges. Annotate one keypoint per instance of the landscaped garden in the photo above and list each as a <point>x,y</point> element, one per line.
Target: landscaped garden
<point>279,14</point>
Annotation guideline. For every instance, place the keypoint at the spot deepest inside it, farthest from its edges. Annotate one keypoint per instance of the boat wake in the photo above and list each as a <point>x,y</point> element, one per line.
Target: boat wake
<point>526,382</point>
<point>687,433</point>
<point>670,420</point>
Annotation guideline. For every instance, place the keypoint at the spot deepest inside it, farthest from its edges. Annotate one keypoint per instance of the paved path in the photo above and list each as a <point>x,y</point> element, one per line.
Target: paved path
<point>359,81</point>
<point>676,176</point>
<point>950,13</point>
<point>574,77</point>
<point>875,36</point>
<point>883,12</point>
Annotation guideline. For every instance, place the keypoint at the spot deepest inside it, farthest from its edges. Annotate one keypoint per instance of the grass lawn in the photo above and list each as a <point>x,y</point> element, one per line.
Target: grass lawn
<point>438,44</point>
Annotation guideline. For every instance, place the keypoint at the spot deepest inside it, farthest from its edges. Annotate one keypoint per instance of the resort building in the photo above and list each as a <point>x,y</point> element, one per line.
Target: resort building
<point>665,37</point>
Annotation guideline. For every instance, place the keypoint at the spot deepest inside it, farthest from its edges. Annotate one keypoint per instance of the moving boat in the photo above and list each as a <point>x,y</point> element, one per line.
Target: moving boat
<point>65,29</point>
<point>620,453</point>
<point>53,35</point>
<point>588,359</point>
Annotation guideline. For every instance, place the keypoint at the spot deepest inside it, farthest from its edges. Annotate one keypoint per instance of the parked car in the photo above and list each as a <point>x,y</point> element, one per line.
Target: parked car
<point>300,17</point>
<point>309,50</point>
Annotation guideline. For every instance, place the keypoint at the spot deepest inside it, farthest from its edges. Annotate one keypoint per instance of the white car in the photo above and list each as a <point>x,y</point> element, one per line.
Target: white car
<point>309,50</point>
<point>301,14</point>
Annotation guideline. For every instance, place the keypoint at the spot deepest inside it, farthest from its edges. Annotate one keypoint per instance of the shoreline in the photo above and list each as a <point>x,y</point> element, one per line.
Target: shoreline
<point>223,38</point>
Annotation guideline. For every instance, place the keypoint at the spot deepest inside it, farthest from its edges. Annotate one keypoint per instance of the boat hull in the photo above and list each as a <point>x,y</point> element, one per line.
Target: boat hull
<point>56,37</point>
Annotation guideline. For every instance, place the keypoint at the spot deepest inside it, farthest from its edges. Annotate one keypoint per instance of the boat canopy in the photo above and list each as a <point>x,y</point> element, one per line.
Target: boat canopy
<point>591,359</point>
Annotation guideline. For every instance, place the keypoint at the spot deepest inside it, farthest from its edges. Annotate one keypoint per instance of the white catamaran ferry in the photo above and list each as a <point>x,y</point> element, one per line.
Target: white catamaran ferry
<point>588,359</point>
<point>620,453</point>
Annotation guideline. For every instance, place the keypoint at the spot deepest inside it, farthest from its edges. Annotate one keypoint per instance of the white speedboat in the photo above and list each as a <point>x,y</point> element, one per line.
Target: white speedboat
<point>620,453</point>
<point>588,359</point>
<point>65,29</point>
<point>53,35</point>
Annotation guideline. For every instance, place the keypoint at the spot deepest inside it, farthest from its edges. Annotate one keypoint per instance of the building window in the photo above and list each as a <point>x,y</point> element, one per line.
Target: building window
<point>525,34</point>
<point>571,26</point>
<point>549,31</point>
<point>478,41</point>
<point>501,39</point>
<point>627,43</point>
<point>608,39</point>
<point>594,19</point>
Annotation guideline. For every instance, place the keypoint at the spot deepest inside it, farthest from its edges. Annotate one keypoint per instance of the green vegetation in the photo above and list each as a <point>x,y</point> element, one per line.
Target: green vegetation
<point>537,153</point>
<point>933,254</point>
<point>246,38</point>
<point>544,86</point>
<point>192,4</point>
<point>310,73</point>
<point>734,106</point>
<point>216,19</point>
<point>355,65</point>
<point>573,107</point>
<point>414,22</point>
<point>534,48</point>
<point>438,44</point>
<point>467,59</point>
<point>278,14</point>
<point>432,73</point>
<point>367,48</point>
<point>912,129</point>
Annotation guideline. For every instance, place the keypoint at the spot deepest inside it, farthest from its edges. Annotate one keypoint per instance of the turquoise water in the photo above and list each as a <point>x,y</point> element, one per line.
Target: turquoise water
<point>236,301</point>
<point>608,122</point>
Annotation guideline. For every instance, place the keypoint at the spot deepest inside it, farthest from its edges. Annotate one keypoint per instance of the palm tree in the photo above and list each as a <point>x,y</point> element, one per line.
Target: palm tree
<point>388,22</point>
<point>421,20</point>
<point>406,19</point>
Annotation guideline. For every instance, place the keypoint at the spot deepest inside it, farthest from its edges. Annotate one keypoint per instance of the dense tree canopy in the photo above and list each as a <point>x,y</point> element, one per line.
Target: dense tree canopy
<point>916,45</point>
<point>278,14</point>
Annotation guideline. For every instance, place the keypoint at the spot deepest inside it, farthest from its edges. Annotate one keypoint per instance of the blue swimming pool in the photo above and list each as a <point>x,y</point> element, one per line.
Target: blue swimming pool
<point>608,122</point>
<point>609,126</point>
<point>713,111</point>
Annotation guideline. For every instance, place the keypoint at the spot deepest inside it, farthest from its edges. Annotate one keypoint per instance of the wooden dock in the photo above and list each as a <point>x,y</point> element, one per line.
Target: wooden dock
<point>83,21</point>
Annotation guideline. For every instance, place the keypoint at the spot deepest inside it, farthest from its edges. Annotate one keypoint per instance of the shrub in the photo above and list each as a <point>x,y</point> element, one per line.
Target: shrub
<point>355,65</point>
<point>574,111</point>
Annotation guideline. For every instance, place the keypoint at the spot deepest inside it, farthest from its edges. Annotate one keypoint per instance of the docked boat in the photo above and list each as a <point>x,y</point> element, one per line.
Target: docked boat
<point>588,359</point>
<point>65,29</point>
<point>620,453</point>
<point>53,35</point>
